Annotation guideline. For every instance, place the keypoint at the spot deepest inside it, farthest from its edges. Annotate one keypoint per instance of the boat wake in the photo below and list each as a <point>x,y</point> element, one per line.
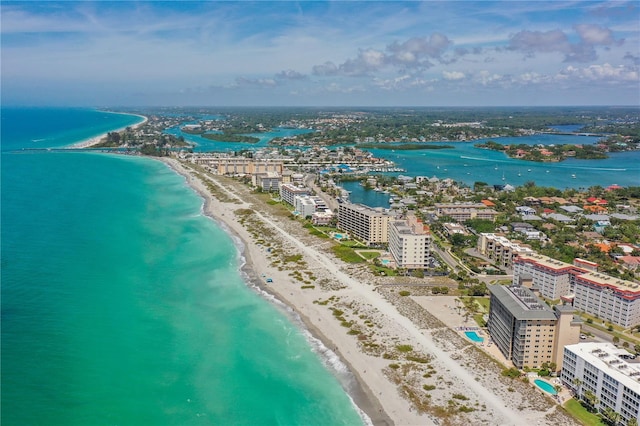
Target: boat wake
<point>604,169</point>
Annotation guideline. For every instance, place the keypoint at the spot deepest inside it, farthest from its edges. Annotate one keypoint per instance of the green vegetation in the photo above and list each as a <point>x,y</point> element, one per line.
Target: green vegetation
<point>403,147</point>
<point>230,137</point>
<point>347,254</point>
<point>547,153</point>
<point>579,412</point>
<point>404,348</point>
<point>511,372</point>
<point>369,254</point>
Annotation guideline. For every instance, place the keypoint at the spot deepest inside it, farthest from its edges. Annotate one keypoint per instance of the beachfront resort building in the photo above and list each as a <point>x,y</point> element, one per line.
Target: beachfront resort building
<point>364,223</point>
<point>526,330</point>
<point>605,297</point>
<point>307,205</point>
<point>500,249</point>
<point>323,217</point>
<point>601,374</point>
<point>410,243</point>
<point>225,165</point>
<point>289,191</point>
<point>461,212</point>
<point>267,181</point>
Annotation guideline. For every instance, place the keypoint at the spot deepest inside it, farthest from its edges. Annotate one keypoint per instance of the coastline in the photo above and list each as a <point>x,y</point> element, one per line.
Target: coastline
<point>87,143</point>
<point>223,214</point>
<point>389,383</point>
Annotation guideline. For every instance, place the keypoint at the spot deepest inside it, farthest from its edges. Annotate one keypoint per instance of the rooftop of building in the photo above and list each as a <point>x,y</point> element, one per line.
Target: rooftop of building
<point>543,260</point>
<point>606,280</point>
<point>522,303</point>
<point>364,209</point>
<point>611,360</point>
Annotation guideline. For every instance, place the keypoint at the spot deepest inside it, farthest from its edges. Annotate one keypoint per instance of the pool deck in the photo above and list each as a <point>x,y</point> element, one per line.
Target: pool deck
<point>444,308</point>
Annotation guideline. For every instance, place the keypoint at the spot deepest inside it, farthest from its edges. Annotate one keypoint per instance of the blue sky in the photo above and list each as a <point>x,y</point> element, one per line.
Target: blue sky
<point>421,53</point>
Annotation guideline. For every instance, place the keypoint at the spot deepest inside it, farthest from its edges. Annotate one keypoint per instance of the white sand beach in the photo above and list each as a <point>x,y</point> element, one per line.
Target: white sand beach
<point>411,368</point>
<point>87,143</point>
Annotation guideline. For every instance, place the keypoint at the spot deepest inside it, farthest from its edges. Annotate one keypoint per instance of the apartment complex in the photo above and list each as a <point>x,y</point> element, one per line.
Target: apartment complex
<point>306,205</point>
<point>500,249</point>
<point>238,165</point>
<point>267,181</point>
<point>365,223</point>
<point>466,211</point>
<point>551,277</point>
<point>608,298</point>
<point>526,330</point>
<point>289,191</point>
<point>602,370</point>
<point>410,243</point>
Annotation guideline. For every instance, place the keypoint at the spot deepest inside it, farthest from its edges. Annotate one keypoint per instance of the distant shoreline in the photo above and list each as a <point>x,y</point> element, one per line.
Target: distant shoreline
<point>87,143</point>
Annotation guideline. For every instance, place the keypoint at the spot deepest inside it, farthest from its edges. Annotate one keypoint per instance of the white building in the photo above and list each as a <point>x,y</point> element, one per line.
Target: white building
<point>289,191</point>
<point>602,370</point>
<point>410,243</point>
<point>608,298</point>
<point>304,205</point>
<point>500,249</point>
<point>552,277</point>
<point>322,217</point>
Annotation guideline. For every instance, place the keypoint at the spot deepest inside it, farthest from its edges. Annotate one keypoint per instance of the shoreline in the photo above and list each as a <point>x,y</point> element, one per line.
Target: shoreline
<point>389,383</point>
<point>358,391</point>
<point>87,143</point>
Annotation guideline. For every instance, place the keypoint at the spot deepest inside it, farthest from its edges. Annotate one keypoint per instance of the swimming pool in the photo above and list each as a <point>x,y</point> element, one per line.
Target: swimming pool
<point>545,386</point>
<point>338,236</point>
<point>472,335</point>
<point>385,261</point>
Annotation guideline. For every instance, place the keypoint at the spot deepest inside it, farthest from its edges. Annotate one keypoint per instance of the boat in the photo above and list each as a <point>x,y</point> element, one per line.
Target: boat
<point>528,170</point>
<point>573,176</point>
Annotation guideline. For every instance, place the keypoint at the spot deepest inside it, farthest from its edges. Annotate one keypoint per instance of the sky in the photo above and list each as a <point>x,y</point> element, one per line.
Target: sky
<point>320,53</point>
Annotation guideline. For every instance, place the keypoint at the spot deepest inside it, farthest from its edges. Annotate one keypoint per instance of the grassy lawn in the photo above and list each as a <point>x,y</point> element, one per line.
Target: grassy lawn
<point>347,254</point>
<point>352,243</point>
<point>387,271</point>
<point>315,231</point>
<point>369,254</point>
<point>580,413</point>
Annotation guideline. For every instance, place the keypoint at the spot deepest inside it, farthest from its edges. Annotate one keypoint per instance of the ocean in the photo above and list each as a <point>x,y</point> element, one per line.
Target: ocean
<point>123,304</point>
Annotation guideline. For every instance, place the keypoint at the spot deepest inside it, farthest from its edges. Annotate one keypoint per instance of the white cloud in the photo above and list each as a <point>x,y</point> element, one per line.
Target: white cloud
<point>453,75</point>
<point>594,34</point>
<point>604,72</point>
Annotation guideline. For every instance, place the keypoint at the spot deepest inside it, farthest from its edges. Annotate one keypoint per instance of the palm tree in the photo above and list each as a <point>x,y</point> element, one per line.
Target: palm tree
<point>591,399</point>
<point>578,386</point>
<point>633,421</point>
<point>611,416</point>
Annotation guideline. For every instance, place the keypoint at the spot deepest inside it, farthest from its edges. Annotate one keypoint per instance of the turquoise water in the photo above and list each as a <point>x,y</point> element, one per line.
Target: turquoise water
<point>472,335</point>
<point>465,163</point>
<point>204,144</point>
<point>123,304</point>
<point>360,195</point>
<point>545,386</point>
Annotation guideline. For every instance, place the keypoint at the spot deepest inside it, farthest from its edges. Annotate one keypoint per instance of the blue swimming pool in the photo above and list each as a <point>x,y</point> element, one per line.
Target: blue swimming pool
<point>545,386</point>
<point>338,236</point>
<point>385,261</point>
<point>472,335</point>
